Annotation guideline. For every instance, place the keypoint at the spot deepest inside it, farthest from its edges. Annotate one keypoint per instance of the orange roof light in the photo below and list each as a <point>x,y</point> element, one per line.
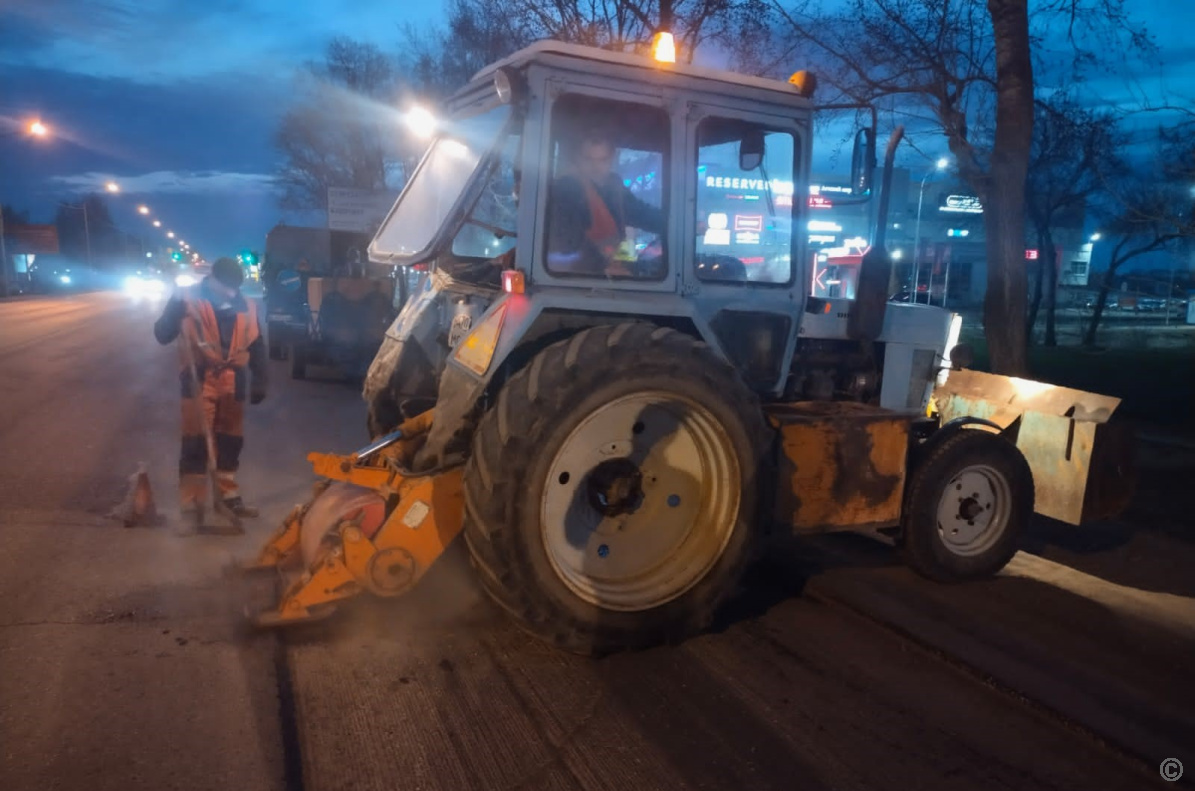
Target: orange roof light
<point>663,48</point>
<point>805,82</point>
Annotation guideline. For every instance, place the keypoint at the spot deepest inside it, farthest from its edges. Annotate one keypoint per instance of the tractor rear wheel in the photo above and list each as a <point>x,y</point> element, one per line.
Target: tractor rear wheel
<point>968,502</point>
<point>612,490</point>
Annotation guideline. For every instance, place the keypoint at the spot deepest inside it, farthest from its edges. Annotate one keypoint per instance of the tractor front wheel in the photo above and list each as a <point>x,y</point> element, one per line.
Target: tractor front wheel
<point>612,489</point>
<point>967,504</point>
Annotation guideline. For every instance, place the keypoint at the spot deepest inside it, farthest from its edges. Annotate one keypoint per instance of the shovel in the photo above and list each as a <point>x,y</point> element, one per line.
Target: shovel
<point>209,437</point>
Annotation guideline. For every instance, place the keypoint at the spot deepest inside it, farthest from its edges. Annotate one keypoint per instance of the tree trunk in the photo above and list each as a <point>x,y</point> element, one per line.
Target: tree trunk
<point>1100,302</point>
<point>1035,305</point>
<point>1049,261</point>
<point>1004,216</point>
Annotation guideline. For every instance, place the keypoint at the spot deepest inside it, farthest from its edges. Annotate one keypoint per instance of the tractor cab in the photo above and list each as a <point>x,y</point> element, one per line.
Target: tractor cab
<point>569,186</point>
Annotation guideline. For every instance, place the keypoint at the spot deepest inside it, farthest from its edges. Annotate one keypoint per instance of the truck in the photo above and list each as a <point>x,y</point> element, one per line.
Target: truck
<point>612,443</point>
<point>293,254</point>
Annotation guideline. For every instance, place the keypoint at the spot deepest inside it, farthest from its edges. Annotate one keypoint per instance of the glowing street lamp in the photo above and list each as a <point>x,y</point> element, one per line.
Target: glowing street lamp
<point>157,223</point>
<point>1095,237</point>
<point>38,129</point>
<point>143,210</point>
<point>112,186</point>
<point>170,234</point>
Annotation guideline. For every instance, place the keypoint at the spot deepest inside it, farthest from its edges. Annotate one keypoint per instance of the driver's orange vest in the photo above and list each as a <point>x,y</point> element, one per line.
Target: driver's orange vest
<point>201,334</point>
<point>604,230</point>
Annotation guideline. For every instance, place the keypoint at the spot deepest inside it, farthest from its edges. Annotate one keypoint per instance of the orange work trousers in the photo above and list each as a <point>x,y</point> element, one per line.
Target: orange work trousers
<point>220,403</point>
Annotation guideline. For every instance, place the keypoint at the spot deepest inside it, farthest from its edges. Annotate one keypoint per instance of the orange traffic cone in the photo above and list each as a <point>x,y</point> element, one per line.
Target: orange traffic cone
<point>138,506</point>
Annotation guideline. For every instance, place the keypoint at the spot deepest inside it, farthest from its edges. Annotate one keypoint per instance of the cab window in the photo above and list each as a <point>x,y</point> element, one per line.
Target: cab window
<point>745,178</point>
<point>489,231</point>
<point>607,200</point>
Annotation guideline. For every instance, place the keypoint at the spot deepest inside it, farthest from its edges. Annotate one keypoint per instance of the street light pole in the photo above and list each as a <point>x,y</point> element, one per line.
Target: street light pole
<point>87,233</point>
<point>941,165</point>
<point>917,240</point>
<point>3,258</point>
<point>34,128</point>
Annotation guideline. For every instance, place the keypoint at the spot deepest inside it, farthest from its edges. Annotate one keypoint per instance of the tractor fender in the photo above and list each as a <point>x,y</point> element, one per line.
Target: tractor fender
<point>925,449</point>
<point>529,324</point>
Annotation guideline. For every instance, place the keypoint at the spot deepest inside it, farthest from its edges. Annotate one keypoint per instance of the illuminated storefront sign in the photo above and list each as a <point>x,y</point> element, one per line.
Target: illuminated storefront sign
<point>748,222</point>
<point>824,226</point>
<point>961,204</point>
<point>778,186</point>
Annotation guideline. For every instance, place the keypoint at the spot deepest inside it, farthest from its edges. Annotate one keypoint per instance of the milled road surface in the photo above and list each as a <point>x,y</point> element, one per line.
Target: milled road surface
<point>122,665</point>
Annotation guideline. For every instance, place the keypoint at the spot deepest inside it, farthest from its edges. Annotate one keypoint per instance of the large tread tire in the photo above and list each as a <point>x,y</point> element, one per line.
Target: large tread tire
<point>514,446</point>
<point>923,543</point>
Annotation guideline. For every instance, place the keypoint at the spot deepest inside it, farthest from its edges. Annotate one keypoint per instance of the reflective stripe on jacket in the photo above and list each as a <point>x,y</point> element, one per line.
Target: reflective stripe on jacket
<point>201,333</point>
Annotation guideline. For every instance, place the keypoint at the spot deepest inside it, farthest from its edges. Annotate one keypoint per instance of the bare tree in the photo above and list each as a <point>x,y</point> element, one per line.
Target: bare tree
<point>1155,211</point>
<point>482,31</point>
<point>478,32</point>
<point>965,69</point>
<point>1075,152</point>
<point>338,134</point>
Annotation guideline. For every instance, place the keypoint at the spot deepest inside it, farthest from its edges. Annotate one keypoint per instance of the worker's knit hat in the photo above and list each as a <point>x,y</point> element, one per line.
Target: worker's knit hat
<point>228,272</point>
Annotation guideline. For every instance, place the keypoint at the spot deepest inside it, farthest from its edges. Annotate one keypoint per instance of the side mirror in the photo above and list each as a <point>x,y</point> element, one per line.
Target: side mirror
<point>751,150</point>
<point>863,162</point>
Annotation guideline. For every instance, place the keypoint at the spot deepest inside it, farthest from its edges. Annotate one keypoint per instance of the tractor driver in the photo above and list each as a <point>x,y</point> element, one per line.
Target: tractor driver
<point>591,210</point>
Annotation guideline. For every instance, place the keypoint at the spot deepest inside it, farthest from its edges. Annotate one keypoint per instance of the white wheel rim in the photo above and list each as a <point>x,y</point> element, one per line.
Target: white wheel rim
<point>652,540</point>
<point>974,510</point>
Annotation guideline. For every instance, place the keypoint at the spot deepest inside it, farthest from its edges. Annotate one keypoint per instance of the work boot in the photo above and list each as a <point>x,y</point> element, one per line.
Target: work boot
<point>190,522</point>
<point>238,507</point>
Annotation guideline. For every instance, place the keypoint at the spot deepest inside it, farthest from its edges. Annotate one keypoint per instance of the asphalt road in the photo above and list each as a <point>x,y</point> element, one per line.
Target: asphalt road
<point>123,664</point>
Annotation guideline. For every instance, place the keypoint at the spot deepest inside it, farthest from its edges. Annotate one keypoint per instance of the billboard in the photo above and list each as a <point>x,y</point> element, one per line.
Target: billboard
<point>356,210</point>
<point>31,239</point>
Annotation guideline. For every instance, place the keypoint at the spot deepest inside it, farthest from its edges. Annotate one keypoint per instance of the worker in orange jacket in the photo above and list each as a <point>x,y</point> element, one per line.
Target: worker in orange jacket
<point>218,332</point>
